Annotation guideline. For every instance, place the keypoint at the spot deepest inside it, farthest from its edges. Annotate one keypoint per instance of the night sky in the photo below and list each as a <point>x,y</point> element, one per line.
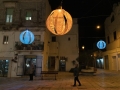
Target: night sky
<point>90,13</point>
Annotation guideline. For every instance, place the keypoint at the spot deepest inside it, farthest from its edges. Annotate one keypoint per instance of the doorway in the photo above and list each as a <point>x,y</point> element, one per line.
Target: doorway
<point>62,65</point>
<point>4,64</point>
<point>106,62</point>
<point>118,62</point>
<point>100,63</point>
<point>29,59</point>
<point>114,63</point>
<point>23,64</point>
<point>51,63</point>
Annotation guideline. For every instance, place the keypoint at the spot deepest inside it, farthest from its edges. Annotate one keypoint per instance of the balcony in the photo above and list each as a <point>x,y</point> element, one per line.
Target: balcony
<point>34,47</point>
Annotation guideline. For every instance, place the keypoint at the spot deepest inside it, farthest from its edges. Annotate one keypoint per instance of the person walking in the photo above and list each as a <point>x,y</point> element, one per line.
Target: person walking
<point>76,74</point>
<point>31,71</point>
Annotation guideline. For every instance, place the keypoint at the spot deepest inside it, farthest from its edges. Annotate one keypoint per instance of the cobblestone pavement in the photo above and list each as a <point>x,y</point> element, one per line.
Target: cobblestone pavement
<point>102,80</point>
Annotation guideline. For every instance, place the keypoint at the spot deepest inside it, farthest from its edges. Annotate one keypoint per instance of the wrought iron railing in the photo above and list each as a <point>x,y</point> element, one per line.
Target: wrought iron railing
<point>34,46</point>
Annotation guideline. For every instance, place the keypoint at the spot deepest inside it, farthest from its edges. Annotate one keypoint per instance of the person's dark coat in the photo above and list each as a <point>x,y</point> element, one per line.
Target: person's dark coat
<point>76,71</point>
<point>31,69</point>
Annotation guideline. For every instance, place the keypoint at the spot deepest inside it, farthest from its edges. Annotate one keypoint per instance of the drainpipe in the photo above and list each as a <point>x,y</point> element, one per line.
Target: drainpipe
<point>117,59</point>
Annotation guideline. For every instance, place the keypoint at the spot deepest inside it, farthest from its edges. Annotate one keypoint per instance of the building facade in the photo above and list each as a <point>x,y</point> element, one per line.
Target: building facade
<point>47,52</point>
<point>17,16</point>
<point>112,34</point>
<point>64,49</point>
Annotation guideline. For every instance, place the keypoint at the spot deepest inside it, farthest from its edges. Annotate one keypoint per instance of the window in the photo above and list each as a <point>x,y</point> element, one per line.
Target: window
<point>108,39</point>
<point>9,15</point>
<point>37,37</point>
<point>53,38</point>
<point>114,34</point>
<point>69,39</point>
<point>28,15</point>
<point>5,39</point>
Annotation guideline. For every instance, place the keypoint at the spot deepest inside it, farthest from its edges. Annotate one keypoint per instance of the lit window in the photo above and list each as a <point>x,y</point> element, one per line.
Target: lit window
<point>5,39</point>
<point>9,15</point>
<point>28,15</point>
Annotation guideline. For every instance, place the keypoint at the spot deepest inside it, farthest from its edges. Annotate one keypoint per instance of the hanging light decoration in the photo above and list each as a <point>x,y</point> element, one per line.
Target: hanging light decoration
<point>101,44</point>
<point>26,37</point>
<point>59,22</point>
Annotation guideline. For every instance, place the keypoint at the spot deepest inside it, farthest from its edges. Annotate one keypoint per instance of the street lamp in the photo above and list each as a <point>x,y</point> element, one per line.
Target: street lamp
<point>83,47</point>
<point>98,27</point>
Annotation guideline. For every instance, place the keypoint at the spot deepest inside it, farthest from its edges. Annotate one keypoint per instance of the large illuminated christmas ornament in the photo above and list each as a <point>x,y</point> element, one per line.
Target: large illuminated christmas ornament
<point>26,37</point>
<point>59,22</point>
<point>101,44</point>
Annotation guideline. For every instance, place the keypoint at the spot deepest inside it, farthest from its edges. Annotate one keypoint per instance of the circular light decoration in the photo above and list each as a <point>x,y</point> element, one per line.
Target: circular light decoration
<point>26,37</point>
<point>101,44</point>
<point>59,22</point>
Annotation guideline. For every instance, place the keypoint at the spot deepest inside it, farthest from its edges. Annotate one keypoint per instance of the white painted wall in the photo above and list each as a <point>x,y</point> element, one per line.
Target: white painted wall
<point>8,51</point>
<point>113,48</point>
<point>66,48</point>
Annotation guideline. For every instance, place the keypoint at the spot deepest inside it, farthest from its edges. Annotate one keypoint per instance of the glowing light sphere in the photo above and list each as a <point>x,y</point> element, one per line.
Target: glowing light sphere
<point>59,22</point>
<point>101,44</point>
<point>98,27</point>
<point>26,37</point>
<point>83,47</point>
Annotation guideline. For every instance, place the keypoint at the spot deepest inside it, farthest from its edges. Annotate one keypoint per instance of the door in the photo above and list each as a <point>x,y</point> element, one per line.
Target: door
<point>62,65</point>
<point>29,59</point>
<point>39,65</point>
<point>106,62</point>
<point>51,63</point>
<point>119,62</point>
<point>23,64</point>
<point>4,64</point>
<point>114,63</point>
<point>101,63</point>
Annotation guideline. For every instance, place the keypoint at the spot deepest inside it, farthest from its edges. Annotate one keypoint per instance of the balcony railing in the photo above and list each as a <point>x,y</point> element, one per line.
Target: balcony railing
<point>34,46</point>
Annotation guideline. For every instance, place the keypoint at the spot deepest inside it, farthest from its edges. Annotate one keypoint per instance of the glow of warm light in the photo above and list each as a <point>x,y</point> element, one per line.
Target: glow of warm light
<point>59,22</point>
<point>83,47</point>
<point>94,54</point>
<point>98,27</point>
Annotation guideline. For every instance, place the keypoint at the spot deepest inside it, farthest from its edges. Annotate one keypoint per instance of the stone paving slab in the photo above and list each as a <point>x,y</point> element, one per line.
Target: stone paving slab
<point>103,80</point>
